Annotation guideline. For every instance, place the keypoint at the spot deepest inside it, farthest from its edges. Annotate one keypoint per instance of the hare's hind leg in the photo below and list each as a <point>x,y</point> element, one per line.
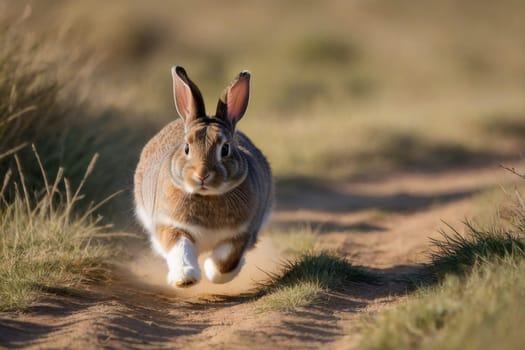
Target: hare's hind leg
<point>226,259</point>
<point>181,257</point>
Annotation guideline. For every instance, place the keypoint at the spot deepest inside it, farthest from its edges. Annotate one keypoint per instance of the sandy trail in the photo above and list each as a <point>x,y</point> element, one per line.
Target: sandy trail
<point>383,224</point>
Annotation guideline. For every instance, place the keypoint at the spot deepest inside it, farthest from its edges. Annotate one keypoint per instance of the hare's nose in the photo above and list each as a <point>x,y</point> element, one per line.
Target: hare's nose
<point>201,176</point>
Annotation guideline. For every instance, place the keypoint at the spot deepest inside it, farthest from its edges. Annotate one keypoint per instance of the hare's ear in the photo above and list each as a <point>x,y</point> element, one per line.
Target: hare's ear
<point>188,98</point>
<point>234,99</point>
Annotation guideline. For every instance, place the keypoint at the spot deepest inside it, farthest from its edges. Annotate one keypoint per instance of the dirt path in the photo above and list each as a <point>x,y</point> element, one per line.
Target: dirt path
<point>383,224</point>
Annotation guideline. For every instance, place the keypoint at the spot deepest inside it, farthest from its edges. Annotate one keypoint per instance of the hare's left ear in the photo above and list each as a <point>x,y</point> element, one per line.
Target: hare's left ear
<point>234,99</point>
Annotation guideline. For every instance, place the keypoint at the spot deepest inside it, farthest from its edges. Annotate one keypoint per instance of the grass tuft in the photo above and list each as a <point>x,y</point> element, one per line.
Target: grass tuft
<point>326,268</point>
<point>46,246</point>
<point>288,298</point>
<point>304,279</point>
<point>458,254</point>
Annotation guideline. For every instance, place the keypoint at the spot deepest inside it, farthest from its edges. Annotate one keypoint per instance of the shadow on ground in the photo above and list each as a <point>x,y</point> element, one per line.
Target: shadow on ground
<point>297,193</point>
<point>321,227</point>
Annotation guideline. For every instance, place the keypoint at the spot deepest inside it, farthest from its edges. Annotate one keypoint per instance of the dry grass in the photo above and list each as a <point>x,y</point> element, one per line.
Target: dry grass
<point>37,107</point>
<point>45,100</point>
<point>52,235</point>
<point>45,244</point>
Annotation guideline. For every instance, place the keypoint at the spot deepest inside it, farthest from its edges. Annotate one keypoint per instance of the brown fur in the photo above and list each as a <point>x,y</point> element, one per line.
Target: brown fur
<point>239,245</point>
<point>168,236</point>
<point>237,189</point>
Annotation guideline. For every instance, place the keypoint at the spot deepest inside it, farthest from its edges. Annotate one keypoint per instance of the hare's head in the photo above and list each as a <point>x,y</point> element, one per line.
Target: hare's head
<point>208,161</point>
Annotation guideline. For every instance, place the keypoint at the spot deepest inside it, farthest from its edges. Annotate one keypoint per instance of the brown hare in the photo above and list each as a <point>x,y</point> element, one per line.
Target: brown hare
<point>201,186</point>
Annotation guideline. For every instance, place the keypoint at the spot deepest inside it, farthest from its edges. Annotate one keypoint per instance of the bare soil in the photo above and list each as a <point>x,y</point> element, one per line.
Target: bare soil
<point>382,224</point>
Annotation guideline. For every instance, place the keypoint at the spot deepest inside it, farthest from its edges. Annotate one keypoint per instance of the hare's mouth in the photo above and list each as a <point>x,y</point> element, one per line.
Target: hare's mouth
<point>205,190</point>
<point>201,189</point>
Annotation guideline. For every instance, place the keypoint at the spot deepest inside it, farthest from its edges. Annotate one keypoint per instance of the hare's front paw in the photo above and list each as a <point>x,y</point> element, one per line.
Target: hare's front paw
<point>214,274</point>
<point>182,264</point>
<point>185,276</point>
<point>224,263</point>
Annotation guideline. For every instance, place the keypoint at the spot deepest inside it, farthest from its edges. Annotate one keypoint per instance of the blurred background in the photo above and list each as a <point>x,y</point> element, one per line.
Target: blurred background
<point>340,89</point>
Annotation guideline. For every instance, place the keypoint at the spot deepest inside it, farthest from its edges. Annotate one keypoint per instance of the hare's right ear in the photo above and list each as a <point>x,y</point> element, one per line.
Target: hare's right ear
<point>188,98</point>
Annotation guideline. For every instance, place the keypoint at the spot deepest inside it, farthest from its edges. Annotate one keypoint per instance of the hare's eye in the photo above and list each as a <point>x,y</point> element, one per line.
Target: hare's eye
<point>225,150</point>
<point>187,149</point>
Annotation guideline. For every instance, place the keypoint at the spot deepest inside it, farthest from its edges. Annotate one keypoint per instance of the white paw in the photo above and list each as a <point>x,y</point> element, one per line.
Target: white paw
<point>184,277</point>
<point>182,264</point>
<point>214,275</point>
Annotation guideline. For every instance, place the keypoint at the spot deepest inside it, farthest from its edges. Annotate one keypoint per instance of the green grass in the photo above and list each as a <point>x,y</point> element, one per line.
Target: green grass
<point>458,254</point>
<point>290,297</point>
<point>480,311</point>
<point>304,279</point>
<point>474,300</point>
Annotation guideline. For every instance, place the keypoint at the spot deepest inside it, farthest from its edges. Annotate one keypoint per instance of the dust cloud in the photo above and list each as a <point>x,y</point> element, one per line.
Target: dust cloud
<point>148,271</point>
